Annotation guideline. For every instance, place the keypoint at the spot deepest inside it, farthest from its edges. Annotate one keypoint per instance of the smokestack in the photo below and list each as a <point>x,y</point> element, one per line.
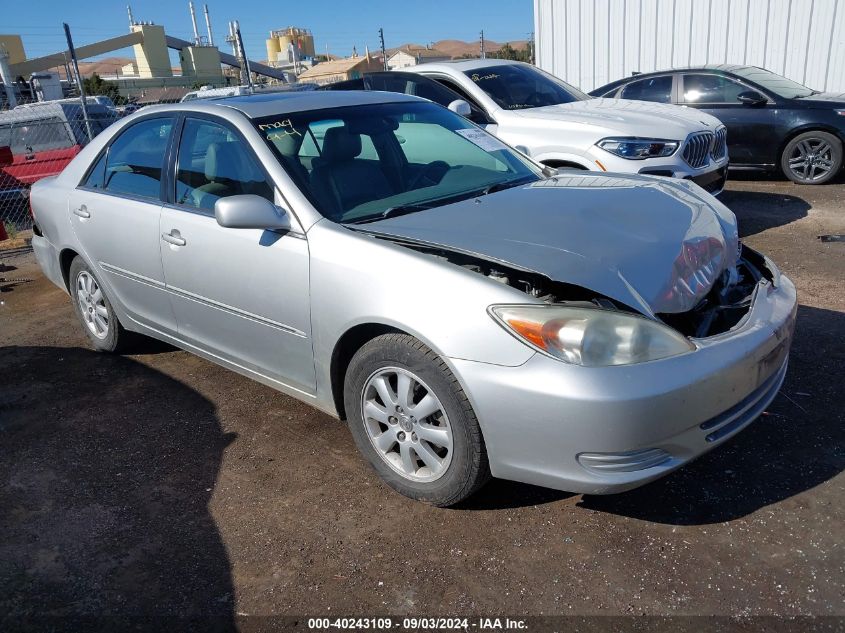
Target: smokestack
<point>232,39</point>
<point>131,19</point>
<point>208,25</point>
<point>194,22</point>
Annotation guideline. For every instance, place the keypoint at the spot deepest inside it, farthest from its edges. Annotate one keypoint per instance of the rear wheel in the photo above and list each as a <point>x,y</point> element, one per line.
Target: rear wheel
<point>94,310</point>
<point>812,158</point>
<point>413,422</point>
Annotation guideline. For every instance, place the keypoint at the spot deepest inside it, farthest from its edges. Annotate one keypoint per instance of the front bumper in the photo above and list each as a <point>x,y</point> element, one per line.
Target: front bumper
<point>569,427</point>
<point>711,177</point>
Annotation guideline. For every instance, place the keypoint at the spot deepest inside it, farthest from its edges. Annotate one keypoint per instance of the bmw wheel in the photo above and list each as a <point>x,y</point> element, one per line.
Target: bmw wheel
<point>812,158</point>
<point>413,422</point>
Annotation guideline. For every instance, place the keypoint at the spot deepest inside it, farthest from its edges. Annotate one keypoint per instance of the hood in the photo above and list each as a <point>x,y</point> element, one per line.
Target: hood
<point>825,100</point>
<point>654,244</point>
<point>631,118</point>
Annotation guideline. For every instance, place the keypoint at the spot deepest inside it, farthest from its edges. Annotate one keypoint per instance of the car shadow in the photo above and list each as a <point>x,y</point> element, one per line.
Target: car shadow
<point>500,494</point>
<point>795,446</point>
<point>107,468</point>
<point>758,211</point>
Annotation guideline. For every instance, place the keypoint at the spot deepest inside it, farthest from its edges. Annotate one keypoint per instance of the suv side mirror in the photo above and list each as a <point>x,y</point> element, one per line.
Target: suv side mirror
<point>6,156</point>
<point>461,107</point>
<point>249,211</point>
<point>751,98</point>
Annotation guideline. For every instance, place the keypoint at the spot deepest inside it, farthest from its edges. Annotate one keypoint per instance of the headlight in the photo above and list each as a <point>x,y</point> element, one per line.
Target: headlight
<point>590,336</point>
<point>840,112</point>
<point>639,148</point>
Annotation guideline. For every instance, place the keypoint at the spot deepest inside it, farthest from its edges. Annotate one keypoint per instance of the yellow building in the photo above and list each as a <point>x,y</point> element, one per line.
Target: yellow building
<point>151,55</point>
<point>13,45</point>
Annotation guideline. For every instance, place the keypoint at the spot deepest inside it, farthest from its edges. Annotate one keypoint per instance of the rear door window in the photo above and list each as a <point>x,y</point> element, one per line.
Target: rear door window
<point>136,159</point>
<point>657,89</point>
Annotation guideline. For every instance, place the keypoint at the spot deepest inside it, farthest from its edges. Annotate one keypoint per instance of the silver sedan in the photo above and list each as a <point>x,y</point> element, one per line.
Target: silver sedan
<point>467,311</point>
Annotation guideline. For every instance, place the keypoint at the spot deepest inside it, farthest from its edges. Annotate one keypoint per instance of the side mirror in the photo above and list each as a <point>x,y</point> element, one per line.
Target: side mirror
<point>250,212</point>
<point>461,107</point>
<point>6,156</point>
<point>751,98</point>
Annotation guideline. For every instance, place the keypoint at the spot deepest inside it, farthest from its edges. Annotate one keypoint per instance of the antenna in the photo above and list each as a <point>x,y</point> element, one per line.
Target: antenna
<point>208,25</point>
<point>383,54</point>
<point>483,54</point>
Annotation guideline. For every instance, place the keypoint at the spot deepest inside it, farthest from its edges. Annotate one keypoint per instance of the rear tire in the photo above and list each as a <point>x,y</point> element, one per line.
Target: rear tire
<point>94,310</point>
<point>439,458</point>
<point>812,158</point>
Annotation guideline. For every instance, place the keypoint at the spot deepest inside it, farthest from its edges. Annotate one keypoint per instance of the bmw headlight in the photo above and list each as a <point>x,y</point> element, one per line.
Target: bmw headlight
<point>591,337</point>
<point>639,148</point>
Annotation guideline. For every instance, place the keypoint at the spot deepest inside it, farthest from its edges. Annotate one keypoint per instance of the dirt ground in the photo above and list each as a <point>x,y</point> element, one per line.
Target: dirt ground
<point>162,484</point>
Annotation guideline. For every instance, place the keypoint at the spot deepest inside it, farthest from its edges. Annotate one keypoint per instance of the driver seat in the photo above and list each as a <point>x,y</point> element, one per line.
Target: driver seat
<point>340,180</point>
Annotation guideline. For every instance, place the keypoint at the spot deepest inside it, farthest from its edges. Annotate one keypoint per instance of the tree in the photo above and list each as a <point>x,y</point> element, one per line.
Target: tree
<point>96,85</point>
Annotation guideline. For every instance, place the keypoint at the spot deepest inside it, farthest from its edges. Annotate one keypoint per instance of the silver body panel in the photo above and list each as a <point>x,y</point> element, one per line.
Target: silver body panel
<point>273,306</point>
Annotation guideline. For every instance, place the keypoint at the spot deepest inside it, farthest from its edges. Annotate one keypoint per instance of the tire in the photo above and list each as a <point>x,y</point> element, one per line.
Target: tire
<point>93,308</point>
<point>460,465</point>
<point>812,158</point>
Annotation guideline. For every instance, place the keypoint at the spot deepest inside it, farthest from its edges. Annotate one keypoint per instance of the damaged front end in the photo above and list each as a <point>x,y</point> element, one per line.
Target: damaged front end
<point>721,309</point>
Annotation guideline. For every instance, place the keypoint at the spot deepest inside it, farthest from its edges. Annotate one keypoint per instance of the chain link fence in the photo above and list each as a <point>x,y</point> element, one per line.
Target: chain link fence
<point>37,140</point>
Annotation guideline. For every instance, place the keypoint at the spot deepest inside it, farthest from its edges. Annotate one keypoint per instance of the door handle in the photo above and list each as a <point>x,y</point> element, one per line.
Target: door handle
<point>82,212</point>
<point>174,238</point>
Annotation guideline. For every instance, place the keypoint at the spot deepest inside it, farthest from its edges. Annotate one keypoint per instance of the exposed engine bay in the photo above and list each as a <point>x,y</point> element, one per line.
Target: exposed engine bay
<point>728,301</point>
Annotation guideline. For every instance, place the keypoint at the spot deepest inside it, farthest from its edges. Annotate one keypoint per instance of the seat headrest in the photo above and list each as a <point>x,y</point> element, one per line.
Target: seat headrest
<point>340,145</point>
<point>223,162</point>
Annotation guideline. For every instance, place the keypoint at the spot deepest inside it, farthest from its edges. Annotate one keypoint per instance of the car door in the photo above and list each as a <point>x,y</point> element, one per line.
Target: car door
<point>115,215</point>
<point>238,294</point>
<point>751,128</point>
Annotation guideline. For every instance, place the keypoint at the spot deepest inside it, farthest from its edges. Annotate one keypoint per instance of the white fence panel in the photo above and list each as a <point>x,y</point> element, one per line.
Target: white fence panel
<point>593,42</point>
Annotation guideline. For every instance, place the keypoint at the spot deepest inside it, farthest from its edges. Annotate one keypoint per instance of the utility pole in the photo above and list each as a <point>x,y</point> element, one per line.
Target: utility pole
<point>383,53</point>
<point>483,54</point>
<point>531,59</point>
<point>79,83</point>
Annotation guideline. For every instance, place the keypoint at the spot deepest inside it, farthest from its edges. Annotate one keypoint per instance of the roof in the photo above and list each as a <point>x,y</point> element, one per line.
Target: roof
<point>334,67</point>
<point>472,64</point>
<point>258,106</point>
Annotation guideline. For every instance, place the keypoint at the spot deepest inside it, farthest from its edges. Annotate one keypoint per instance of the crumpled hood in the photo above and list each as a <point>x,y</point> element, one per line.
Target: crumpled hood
<point>654,244</point>
<point>631,118</point>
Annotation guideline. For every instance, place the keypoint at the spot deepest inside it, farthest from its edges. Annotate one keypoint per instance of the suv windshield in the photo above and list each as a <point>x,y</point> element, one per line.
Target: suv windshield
<point>367,162</point>
<point>520,86</point>
<point>781,86</point>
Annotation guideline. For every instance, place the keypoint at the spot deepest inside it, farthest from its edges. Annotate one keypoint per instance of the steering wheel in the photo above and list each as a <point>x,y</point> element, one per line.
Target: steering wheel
<point>434,172</point>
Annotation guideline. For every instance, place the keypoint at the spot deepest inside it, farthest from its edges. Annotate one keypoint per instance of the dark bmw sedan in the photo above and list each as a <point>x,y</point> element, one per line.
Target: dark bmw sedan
<point>773,122</point>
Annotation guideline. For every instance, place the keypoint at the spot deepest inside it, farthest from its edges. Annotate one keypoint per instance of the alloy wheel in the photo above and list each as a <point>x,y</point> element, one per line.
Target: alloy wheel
<point>811,159</point>
<point>407,424</point>
<point>92,305</point>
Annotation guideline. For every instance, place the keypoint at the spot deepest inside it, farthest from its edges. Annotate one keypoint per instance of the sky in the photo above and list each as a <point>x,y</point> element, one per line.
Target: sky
<point>339,25</point>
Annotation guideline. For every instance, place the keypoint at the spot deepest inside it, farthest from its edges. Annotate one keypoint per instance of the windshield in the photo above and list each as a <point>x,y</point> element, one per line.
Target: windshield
<point>520,86</point>
<point>781,86</point>
<point>367,162</point>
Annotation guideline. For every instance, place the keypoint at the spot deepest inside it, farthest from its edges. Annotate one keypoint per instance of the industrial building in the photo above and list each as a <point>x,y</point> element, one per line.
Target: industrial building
<point>590,43</point>
<point>200,60</point>
<point>411,56</point>
<point>285,46</point>
<point>341,69</point>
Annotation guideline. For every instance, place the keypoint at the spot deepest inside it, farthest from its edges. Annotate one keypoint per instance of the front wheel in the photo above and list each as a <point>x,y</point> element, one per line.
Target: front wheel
<point>812,158</point>
<point>413,422</point>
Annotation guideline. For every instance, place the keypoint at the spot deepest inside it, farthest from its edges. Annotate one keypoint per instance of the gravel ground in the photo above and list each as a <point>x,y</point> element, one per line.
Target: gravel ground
<point>162,484</point>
